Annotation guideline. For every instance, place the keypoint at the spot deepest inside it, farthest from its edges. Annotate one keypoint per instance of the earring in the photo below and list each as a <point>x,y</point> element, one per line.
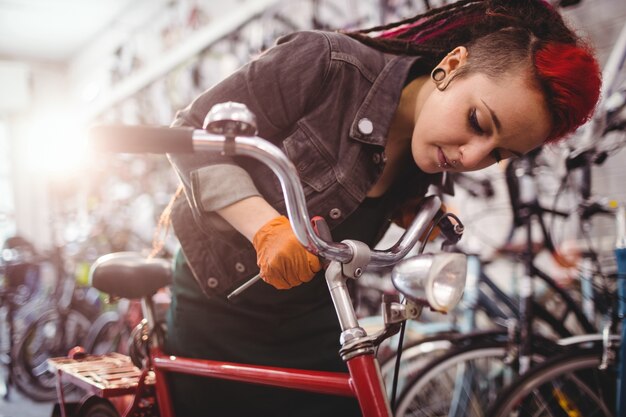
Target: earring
<point>438,74</point>
<point>440,77</point>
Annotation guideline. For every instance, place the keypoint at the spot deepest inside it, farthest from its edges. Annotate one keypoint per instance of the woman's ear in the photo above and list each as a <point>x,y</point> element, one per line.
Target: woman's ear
<point>455,59</point>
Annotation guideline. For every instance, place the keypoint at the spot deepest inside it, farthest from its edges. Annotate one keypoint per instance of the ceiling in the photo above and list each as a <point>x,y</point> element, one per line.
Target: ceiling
<point>54,30</point>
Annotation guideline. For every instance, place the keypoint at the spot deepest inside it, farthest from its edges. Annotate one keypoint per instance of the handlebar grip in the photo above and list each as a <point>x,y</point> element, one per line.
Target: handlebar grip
<point>142,139</point>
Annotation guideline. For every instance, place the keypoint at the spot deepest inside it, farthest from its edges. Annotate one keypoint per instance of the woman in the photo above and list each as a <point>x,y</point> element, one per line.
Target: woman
<point>370,122</point>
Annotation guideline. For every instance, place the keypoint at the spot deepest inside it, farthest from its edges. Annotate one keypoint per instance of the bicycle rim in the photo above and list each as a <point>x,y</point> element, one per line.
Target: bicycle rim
<point>461,383</point>
<point>569,385</point>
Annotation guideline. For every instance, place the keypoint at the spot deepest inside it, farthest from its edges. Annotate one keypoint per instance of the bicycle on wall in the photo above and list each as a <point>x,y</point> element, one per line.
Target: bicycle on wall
<point>115,387</point>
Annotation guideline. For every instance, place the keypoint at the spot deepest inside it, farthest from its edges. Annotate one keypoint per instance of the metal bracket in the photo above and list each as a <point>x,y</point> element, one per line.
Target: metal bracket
<point>396,312</point>
<point>361,257</point>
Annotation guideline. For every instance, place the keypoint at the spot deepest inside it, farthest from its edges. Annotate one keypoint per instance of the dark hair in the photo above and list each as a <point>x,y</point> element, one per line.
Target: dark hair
<point>496,33</point>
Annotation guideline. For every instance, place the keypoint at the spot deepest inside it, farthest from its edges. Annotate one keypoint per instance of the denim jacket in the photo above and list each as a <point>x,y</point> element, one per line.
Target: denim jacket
<point>327,101</point>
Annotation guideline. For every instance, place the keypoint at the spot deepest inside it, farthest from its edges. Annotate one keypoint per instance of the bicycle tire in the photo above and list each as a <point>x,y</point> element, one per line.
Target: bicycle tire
<point>37,344</point>
<point>107,334</point>
<point>567,384</point>
<point>485,367</point>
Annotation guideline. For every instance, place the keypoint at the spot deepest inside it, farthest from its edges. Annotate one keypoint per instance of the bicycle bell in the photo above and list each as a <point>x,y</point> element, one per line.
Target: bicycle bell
<point>230,119</point>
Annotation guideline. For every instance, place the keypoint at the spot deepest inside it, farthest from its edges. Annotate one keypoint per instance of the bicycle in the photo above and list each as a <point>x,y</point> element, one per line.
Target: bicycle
<point>426,279</point>
<point>51,331</point>
<point>474,367</point>
<point>582,379</point>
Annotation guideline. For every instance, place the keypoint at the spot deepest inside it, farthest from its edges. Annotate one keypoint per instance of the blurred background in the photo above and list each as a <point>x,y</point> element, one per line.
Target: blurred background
<point>69,64</point>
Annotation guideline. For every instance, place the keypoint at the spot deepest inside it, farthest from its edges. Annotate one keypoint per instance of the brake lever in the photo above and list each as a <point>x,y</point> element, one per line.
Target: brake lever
<point>322,230</point>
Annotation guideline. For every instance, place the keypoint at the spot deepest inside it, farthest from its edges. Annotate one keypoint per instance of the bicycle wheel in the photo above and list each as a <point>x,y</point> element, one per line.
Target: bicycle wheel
<point>52,335</point>
<point>567,385</point>
<point>461,383</point>
<point>107,334</point>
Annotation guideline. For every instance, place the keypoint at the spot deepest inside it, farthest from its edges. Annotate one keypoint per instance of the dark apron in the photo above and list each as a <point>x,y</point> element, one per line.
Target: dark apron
<point>294,328</point>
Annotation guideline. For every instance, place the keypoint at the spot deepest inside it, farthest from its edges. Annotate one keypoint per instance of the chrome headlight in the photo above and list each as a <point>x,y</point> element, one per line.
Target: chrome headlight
<point>436,279</point>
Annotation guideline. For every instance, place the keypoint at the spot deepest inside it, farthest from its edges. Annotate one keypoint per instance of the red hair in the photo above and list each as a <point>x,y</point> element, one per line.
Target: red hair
<point>570,77</point>
<point>498,33</point>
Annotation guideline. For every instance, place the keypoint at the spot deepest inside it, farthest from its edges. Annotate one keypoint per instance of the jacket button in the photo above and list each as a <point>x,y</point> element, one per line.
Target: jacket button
<point>365,126</point>
<point>335,213</point>
<point>212,282</point>
<point>376,158</point>
<point>239,267</point>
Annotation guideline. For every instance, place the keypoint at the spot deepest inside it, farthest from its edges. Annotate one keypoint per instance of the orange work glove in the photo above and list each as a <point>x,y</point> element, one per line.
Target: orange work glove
<point>283,261</point>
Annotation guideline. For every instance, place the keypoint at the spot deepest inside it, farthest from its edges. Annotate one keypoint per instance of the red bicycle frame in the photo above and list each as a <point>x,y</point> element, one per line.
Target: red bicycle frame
<point>363,382</point>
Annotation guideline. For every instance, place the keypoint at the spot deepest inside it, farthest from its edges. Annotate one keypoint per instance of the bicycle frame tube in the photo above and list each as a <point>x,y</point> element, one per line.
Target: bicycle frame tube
<point>368,387</point>
<point>335,383</point>
<point>363,382</point>
<point>164,398</point>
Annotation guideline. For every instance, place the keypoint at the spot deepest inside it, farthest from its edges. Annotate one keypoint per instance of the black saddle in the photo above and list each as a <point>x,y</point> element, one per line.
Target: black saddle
<point>130,274</point>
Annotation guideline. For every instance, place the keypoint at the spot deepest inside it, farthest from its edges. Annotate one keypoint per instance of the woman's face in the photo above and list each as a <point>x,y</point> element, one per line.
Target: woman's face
<point>476,121</point>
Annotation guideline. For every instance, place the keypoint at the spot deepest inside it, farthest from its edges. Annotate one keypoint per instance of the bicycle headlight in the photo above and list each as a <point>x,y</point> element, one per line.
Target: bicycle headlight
<point>436,279</point>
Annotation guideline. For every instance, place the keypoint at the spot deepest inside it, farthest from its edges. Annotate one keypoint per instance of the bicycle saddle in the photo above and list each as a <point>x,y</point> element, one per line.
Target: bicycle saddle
<point>130,274</point>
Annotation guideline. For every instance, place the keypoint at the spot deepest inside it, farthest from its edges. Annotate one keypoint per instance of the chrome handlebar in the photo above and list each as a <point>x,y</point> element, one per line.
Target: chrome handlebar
<point>295,201</point>
<point>230,129</point>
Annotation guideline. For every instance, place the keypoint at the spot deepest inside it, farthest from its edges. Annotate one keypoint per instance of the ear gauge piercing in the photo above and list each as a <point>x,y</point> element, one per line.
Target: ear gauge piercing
<point>438,74</point>
<point>440,78</point>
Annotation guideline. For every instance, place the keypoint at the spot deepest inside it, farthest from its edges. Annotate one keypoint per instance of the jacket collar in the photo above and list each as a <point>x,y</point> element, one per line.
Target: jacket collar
<point>384,95</point>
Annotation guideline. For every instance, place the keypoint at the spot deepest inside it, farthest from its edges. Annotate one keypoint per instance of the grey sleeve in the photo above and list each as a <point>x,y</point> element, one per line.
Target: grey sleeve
<point>222,185</point>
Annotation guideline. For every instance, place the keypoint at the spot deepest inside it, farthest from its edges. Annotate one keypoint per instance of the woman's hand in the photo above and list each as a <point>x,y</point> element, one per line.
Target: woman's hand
<point>284,263</point>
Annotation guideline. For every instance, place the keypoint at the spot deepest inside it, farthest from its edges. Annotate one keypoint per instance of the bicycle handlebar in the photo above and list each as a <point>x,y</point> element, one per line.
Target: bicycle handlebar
<point>150,139</point>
